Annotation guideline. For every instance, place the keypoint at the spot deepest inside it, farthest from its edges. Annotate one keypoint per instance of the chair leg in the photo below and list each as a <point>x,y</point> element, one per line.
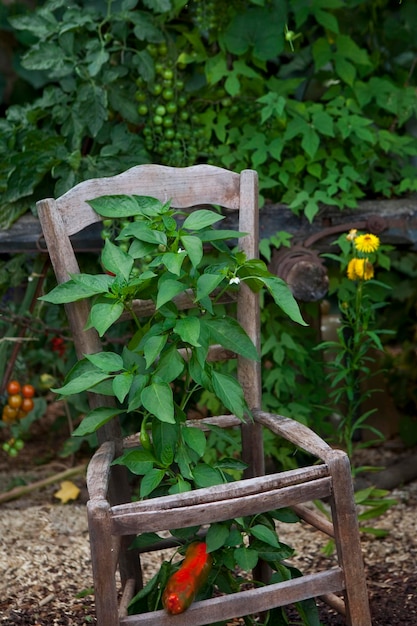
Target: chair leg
<point>348,544</point>
<point>129,560</point>
<point>104,562</point>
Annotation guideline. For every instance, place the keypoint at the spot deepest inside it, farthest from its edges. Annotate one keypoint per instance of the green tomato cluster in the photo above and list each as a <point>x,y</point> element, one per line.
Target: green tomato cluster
<point>13,447</point>
<point>172,131</point>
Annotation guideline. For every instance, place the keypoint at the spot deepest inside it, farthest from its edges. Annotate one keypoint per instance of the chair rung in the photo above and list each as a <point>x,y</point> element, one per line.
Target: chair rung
<point>245,602</point>
<point>315,519</point>
<point>334,602</point>
<point>130,518</point>
<point>128,593</point>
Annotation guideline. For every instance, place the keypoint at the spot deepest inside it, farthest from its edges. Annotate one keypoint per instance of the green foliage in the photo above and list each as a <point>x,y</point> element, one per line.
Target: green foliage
<point>319,104</point>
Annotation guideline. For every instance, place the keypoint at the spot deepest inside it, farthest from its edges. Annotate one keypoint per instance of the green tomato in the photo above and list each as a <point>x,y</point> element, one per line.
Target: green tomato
<point>157,120</point>
<point>156,89</point>
<point>168,121</point>
<point>171,108</point>
<point>168,94</point>
<point>143,109</point>
<point>160,110</point>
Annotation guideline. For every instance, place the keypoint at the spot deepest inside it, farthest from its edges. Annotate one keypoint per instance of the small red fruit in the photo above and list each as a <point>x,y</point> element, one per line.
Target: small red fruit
<point>13,387</point>
<point>27,405</point>
<point>28,391</point>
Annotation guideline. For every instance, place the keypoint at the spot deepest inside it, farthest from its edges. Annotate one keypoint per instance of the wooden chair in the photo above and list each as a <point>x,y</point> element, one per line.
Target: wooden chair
<point>113,519</point>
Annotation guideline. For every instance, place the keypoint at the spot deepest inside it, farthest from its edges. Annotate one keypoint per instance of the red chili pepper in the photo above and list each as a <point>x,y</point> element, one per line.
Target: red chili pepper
<point>183,585</point>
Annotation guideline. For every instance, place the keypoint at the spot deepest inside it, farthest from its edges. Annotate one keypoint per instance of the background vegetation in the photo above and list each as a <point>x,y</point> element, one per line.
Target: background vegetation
<point>319,96</point>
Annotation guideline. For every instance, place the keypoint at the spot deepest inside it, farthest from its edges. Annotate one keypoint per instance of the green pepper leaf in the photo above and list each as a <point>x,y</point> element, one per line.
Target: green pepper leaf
<point>95,419</point>
<point>157,398</point>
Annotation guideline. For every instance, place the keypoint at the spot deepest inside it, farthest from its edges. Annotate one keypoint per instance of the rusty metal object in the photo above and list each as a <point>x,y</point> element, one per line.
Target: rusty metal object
<point>303,271</point>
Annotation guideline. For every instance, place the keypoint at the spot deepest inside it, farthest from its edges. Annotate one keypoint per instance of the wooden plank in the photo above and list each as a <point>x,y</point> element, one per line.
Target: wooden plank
<point>128,520</point>
<point>247,602</point>
<point>400,214</point>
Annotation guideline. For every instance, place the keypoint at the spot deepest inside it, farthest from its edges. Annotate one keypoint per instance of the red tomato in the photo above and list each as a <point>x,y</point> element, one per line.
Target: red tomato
<point>13,387</point>
<point>28,391</point>
<point>27,405</point>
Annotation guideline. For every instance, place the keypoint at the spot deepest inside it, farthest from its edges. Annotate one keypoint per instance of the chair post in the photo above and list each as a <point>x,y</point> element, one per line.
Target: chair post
<point>103,561</point>
<point>348,545</point>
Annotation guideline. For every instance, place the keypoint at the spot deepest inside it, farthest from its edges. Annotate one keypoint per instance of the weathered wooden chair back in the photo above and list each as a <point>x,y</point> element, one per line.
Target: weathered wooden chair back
<point>185,188</point>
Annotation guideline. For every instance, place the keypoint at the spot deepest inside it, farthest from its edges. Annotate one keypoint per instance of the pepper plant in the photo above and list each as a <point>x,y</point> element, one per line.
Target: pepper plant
<point>161,254</point>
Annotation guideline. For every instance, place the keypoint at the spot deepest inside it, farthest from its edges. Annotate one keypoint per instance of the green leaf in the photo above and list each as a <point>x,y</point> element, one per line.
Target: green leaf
<point>246,558</point>
<point>188,328</point>
<point>194,248</point>
<point>228,333</point>
<point>150,481</point>
<point>218,235</point>
<point>173,261</point>
<point>167,290</point>
<point>118,206</point>
<point>144,233</point>
<point>153,348</point>
<point>157,398</point>
<point>345,69</point>
<point>104,313</point>
<point>217,536</point>
<point>206,284</point>
<point>95,419</point>
<point>206,476</point>
<point>139,462</point>
<point>79,287</point>
<point>283,297</point>
<point>195,439</point>
<point>170,366</point>
<point>115,260</point>
<point>265,534</point>
<point>197,220</point>
<point>121,385</point>
<point>165,440</point>
<point>106,361</point>
<point>85,380</point>
<point>145,539</point>
<point>256,28</point>
<point>310,141</point>
<point>327,20</point>
<point>228,390</point>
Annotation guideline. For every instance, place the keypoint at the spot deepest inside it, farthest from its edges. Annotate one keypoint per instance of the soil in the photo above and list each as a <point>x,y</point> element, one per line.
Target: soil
<point>45,574</point>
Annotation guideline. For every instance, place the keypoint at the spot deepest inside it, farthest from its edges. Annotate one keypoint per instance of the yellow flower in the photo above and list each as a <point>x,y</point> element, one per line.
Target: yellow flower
<point>352,234</point>
<point>360,269</point>
<point>367,243</point>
